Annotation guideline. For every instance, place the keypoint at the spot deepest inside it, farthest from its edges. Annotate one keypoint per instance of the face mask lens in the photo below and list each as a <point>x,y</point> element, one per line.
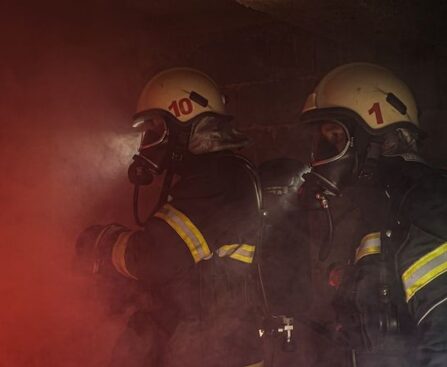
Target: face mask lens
<point>329,140</point>
<point>154,132</point>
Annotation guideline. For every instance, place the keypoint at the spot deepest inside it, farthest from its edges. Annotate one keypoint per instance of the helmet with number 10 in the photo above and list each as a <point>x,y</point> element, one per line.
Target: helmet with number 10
<point>182,92</point>
<point>181,112</point>
<point>357,112</point>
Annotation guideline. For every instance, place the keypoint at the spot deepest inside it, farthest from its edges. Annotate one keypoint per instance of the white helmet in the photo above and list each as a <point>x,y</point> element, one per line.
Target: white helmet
<point>371,94</point>
<point>180,112</point>
<point>352,96</point>
<point>182,92</point>
<point>187,103</point>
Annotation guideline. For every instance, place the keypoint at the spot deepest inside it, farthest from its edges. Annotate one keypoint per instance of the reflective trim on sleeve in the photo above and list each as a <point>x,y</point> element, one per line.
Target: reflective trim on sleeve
<point>95,266</point>
<point>186,229</point>
<point>119,254</point>
<point>424,270</point>
<point>257,364</point>
<point>369,245</point>
<point>240,252</point>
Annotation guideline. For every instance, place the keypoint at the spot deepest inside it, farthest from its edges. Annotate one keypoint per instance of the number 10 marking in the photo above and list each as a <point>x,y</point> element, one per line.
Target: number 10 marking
<point>182,107</point>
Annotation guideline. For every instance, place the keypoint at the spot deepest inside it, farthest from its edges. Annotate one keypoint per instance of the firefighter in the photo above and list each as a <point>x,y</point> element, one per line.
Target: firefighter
<point>195,253</point>
<point>391,302</point>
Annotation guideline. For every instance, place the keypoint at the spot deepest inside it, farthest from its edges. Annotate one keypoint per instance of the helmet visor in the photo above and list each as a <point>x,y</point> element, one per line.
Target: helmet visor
<point>330,141</point>
<point>154,132</point>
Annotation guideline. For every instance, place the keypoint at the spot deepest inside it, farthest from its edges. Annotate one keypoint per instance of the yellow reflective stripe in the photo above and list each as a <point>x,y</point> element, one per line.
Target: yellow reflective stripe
<point>244,253</point>
<point>424,270</point>
<point>369,245</point>
<point>188,232</point>
<point>95,266</point>
<point>119,254</point>
<point>240,252</point>
<point>225,250</point>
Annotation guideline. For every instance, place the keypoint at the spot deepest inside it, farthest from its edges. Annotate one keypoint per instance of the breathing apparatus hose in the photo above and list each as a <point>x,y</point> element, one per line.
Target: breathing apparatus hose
<point>255,180</point>
<point>326,246</point>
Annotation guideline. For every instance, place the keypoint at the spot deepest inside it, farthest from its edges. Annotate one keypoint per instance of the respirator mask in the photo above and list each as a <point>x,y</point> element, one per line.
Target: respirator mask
<point>151,159</point>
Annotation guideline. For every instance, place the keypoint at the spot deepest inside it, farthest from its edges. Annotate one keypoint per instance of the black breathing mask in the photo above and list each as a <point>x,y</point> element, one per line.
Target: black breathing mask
<point>140,171</point>
<point>333,161</point>
<point>147,165</point>
<point>152,154</point>
<point>333,158</point>
<point>160,150</point>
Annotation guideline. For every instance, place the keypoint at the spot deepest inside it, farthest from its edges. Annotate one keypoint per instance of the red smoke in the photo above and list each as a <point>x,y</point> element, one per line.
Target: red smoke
<point>69,84</point>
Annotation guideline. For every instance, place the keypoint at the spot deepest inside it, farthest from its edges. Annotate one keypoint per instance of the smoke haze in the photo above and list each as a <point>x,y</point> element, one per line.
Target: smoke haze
<point>69,84</point>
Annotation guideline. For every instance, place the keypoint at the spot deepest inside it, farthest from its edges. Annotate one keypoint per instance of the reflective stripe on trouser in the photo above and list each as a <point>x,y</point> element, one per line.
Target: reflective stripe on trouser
<point>186,229</point>
<point>241,252</point>
<point>424,270</point>
<point>119,254</point>
<point>369,245</point>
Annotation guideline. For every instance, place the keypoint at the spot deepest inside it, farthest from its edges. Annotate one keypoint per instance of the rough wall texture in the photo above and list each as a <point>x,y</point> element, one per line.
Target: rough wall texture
<point>268,71</point>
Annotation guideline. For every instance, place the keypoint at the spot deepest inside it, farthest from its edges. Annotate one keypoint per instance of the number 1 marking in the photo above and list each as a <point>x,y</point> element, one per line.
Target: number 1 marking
<point>376,110</point>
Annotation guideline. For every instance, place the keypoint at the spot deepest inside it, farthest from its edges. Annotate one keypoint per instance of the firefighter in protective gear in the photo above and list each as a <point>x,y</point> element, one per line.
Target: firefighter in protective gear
<point>365,128</point>
<point>195,253</point>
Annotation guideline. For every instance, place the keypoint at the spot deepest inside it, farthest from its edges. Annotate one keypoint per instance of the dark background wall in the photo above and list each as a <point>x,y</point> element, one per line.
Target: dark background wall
<point>70,74</point>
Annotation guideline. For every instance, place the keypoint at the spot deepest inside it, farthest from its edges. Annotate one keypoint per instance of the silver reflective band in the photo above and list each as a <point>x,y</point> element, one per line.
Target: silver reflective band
<point>369,245</point>
<point>241,252</point>
<point>195,241</point>
<point>189,233</point>
<point>424,270</point>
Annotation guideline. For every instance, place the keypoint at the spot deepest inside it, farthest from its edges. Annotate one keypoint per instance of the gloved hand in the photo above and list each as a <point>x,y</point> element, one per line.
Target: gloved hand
<point>94,247</point>
<point>93,258</point>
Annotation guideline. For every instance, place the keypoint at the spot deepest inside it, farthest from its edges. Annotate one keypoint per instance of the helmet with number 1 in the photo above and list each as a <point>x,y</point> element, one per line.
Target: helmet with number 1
<point>182,112</point>
<point>358,111</point>
<point>370,94</point>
